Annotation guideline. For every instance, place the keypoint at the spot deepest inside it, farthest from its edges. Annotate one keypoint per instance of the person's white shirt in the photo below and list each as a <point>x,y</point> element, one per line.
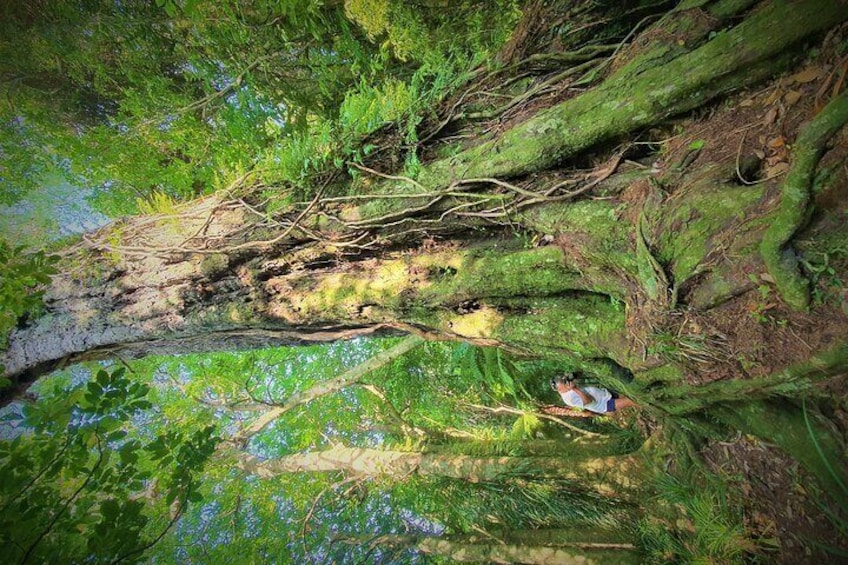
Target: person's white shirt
<point>600,396</point>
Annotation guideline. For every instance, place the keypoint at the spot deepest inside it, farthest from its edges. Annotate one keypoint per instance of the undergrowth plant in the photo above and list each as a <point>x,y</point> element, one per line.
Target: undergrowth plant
<point>492,368</point>
<point>838,520</point>
<point>157,203</point>
<point>698,521</point>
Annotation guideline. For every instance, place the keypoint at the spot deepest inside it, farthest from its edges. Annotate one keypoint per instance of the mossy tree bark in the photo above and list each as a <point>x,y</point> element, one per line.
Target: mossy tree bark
<point>795,209</point>
<point>436,256</point>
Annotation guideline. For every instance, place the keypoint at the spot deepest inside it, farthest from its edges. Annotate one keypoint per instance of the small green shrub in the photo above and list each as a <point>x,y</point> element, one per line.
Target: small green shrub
<point>157,202</point>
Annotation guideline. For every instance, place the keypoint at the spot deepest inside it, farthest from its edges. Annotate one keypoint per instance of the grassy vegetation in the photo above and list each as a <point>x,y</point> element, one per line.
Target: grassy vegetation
<point>697,519</point>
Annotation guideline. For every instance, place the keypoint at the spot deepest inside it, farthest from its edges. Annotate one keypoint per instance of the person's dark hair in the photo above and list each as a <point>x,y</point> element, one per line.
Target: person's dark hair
<point>568,378</point>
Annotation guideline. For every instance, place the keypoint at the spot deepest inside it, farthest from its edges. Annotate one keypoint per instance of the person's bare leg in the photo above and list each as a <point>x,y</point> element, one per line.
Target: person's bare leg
<point>623,403</point>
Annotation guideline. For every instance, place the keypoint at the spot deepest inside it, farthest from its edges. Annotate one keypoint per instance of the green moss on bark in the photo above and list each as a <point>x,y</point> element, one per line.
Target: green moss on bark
<point>496,274</point>
<point>584,326</point>
<point>704,215</point>
<point>593,238</point>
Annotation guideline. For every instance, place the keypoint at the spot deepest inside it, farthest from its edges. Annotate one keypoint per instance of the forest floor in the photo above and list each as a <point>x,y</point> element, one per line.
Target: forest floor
<point>755,334</point>
<point>781,502</point>
<point>759,333</point>
<point>783,506</point>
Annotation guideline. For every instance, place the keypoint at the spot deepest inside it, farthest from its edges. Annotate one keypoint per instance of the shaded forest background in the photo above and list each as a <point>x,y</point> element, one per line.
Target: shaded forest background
<point>353,241</point>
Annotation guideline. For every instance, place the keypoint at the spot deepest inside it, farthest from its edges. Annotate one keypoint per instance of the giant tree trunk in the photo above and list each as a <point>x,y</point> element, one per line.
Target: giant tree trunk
<point>222,274</point>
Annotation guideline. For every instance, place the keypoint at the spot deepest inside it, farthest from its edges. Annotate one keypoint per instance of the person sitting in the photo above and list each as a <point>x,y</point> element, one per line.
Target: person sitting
<point>594,399</point>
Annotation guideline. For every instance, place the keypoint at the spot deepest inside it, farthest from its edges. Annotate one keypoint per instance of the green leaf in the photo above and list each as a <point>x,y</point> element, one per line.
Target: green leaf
<point>102,378</point>
<point>116,435</point>
<point>94,389</point>
<point>128,454</point>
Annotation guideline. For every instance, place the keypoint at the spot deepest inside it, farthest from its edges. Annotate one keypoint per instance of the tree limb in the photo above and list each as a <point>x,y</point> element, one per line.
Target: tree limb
<point>347,378</point>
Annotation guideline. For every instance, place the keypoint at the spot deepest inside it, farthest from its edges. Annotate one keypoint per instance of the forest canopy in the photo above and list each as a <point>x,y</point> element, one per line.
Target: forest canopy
<point>164,101</point>
<point>350,243</point>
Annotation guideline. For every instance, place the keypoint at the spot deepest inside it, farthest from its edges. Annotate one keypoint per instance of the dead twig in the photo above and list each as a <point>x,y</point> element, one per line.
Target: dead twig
<point>318,498</point>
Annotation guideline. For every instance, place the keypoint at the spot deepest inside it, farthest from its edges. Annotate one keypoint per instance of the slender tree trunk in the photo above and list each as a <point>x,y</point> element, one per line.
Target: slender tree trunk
<point>480,549</point>
<point>349,377</point>
<point>615,475</point>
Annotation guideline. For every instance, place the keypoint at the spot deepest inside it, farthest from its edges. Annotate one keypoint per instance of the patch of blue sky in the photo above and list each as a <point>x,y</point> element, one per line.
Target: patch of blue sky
<point>55,210</point>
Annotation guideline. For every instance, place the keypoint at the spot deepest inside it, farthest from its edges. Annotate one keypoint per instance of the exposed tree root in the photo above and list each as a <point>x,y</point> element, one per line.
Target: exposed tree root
<point>624,102</point>
<point>795,210</point>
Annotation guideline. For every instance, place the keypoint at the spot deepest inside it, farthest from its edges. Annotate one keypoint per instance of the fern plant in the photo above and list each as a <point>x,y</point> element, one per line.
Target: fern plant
<point>493,368</point>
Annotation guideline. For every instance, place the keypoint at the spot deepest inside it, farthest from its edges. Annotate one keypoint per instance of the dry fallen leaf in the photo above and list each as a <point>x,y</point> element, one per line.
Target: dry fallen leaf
<point>771,116</point>
<point>760,154</point>
<point>771,98</point>
<point>747,103</point>
<point>807,75</point>
<point>776,170</point>
<point>791,97</point>
<point>776,142</point>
